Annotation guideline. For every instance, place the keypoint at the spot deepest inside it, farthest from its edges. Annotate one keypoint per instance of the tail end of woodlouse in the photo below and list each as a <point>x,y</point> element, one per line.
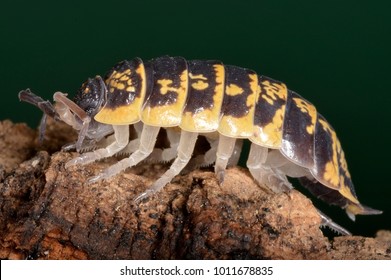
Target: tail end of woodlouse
<point>358,209</point>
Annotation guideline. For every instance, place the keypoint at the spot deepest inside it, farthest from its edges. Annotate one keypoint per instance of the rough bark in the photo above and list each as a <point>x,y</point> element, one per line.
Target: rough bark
<point>49,212</point>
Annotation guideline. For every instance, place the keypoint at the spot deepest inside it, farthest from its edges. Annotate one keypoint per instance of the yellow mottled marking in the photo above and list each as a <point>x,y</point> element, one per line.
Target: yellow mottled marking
<point>271,134</point>
<point>116,75</point>
<point>123,78</point>
<point>120,86</point>
<point>207,120</point>
<point>241,127</point>
<point>130,87</point>
<point>268,99</point>
<point>126,114</point>
<point>308,108</point>
<point>86,90</point>
<point>346,192</point>
<point>200,77</point>
<point>233,90</point>
<point>331,173</point>
<point>120,81</point>
<point>199,85</point>
<point>167,115</point>
<point>342,161</point>
<point>273,91</point>
<point>165,86</point>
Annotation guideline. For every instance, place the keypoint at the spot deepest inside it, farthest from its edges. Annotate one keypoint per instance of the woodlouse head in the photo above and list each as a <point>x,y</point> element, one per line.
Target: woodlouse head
<point>78,113</point>
<point>91,96</point>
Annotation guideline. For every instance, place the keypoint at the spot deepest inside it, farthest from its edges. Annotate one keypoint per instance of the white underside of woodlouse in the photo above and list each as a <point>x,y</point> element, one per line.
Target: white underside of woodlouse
<point>268,167</point>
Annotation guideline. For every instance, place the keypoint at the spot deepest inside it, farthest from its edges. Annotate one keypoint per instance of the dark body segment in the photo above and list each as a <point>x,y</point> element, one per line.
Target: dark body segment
<point>298,131</point>
<point>125,84</point>
<point>269,113</point>
<point>167,95</point>
<point>326,169</point>
<point>330,165</point>
<point>345,181</point>
<point>328,195</point>
<point>205,96</point>
<point>241,90</point>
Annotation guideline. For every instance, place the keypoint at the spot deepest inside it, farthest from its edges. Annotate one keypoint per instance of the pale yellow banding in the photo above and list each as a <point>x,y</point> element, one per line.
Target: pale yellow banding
<point>271,134</point>
<point>119,116</point>
<point>167,115</point>
<point>125,114</point>
<point>201,122</point>
<point>241,127</point>
<point>207,120</point>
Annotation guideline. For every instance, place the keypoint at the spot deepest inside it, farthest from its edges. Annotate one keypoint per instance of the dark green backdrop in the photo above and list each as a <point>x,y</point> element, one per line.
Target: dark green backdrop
<point>334,53</point>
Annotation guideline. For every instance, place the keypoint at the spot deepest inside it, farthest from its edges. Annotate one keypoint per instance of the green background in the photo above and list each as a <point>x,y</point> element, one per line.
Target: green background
<point>334,53</point>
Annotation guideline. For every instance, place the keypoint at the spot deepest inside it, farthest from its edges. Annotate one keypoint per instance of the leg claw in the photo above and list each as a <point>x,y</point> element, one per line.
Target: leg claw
<point>220,176</point>
<point>141,197</point>
<point>80,160</point>
<point>72,162</point>
<point>96,178</point>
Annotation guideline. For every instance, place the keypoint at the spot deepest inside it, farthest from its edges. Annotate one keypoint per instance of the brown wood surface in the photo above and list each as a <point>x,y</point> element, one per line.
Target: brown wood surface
<point>49,212</point>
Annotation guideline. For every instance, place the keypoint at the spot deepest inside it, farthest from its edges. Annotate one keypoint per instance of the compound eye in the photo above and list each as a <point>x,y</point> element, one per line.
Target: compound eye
<point>91,95</point>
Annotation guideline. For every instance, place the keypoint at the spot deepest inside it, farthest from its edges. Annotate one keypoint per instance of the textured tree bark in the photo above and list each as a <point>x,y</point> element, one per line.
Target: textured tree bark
<point>49,212</point>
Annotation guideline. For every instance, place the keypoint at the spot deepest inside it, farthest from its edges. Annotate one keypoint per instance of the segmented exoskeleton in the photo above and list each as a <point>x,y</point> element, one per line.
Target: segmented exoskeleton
<point>222,102</point>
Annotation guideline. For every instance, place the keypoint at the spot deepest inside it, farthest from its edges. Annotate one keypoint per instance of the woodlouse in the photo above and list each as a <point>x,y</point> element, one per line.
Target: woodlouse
<point>222,102</point>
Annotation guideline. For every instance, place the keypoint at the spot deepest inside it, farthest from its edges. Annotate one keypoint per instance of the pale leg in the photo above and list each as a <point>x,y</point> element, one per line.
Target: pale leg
<point>210,156</point>
<point>185,150</point>
<point>236,153</point>
<point>225,149</point>
<point>265,175</point>
<point>147,143</point>
<point>206,159</point>
<point>134,143</point>
<point>121,135</point>
<point>328,222</point>
<point>284,166</point>
<point>165,155</point>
